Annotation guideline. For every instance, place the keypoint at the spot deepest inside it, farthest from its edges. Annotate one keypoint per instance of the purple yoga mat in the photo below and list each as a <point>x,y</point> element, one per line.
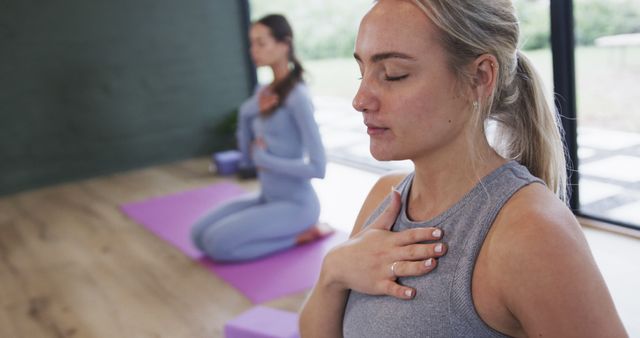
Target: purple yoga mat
<point>263,322</point>
<point>287,272</point>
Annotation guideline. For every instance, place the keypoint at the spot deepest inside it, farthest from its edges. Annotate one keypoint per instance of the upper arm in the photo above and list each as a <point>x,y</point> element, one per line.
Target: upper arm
<point>299,103</point>
<point>548,278</point>
<point>376,195</point>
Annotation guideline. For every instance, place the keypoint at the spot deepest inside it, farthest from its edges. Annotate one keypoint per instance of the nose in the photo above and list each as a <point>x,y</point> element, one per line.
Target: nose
<point>365,100</point>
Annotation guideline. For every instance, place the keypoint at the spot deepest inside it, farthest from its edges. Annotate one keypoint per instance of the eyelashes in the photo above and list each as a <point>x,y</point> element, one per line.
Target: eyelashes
<point>396,78</point>
<point>391,78</point>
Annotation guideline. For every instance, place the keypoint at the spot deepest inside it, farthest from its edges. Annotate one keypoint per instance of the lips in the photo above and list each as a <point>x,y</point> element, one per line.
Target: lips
<point>374,129</point>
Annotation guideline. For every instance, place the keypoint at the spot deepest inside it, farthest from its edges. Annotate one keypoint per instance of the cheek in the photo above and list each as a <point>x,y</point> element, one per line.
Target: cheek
<point>425,110</point>
<point>434,97</point>
<point>264,47</point>
<point>271,52</point>
<point>417,105</point>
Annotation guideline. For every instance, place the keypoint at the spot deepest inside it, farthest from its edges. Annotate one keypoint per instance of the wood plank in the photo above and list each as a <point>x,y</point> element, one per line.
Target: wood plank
<point>72,264</point>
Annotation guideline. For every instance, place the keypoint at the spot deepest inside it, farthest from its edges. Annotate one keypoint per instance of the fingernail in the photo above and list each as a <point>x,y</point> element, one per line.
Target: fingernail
<point>428,262</point>
<point>408,293</point>
<point>437,233</point>
<point>438,248</point>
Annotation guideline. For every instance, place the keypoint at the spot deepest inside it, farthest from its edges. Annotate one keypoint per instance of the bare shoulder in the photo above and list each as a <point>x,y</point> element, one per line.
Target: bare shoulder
<point>378,192</point>
<point>544,269</point>
<point>534,212</point>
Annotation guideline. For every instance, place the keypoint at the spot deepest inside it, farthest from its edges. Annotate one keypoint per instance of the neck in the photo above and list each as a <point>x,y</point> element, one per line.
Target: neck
<point>443,178</point>
<point>280,70</point>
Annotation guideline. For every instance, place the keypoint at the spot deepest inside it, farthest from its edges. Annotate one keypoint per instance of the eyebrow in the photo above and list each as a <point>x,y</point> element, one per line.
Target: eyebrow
<point>386,55</point>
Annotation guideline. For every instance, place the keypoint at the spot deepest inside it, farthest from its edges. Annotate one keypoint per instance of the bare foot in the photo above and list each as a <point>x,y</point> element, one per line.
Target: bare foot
<point>317,231</point>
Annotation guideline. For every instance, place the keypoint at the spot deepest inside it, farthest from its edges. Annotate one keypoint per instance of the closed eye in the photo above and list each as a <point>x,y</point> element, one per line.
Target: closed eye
<point>396,78</point>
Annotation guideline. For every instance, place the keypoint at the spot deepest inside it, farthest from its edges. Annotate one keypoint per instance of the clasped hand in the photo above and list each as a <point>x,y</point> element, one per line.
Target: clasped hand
<point>372,260</point>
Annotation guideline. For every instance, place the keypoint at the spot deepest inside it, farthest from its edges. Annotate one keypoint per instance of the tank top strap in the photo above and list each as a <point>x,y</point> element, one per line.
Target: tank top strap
<point>402,187</point>
<point>499,189</point>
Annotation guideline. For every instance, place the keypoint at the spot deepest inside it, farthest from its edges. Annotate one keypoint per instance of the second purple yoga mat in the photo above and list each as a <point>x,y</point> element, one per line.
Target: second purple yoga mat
<point>170,218</point>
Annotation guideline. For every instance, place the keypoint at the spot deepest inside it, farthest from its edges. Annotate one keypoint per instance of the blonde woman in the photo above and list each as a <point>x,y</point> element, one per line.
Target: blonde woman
<point>511,258</point>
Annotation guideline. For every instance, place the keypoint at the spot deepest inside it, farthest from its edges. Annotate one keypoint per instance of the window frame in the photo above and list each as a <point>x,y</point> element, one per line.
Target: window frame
<point>564,88</point>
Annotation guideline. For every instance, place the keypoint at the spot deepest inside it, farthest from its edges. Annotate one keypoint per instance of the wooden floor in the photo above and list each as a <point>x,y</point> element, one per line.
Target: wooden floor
<point>73,265</point>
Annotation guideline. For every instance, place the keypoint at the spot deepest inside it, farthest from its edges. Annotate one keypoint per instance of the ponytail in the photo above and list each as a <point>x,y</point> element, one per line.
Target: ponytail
<point>283,87</point>
<point>528,128</point>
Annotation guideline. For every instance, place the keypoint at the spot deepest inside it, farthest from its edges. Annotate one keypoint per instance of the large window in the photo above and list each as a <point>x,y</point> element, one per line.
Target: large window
<point>607,68</point>
<point>594,84</point>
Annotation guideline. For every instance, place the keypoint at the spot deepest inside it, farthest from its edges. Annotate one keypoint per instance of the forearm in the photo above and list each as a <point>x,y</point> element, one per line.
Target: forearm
<point>313,168</point>
<point>322,313</point>
<point>244,138</point>
<point>244,134</point>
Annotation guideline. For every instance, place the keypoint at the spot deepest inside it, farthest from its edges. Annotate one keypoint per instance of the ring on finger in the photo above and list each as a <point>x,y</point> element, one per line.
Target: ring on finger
<point>393,269</point>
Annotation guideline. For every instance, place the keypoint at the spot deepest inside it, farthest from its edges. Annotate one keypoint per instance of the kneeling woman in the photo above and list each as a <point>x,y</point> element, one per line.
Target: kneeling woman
<point>277,134</point>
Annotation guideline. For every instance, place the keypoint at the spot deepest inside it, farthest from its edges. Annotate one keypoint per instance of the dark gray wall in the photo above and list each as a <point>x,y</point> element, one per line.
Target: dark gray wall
<point>94,87</point>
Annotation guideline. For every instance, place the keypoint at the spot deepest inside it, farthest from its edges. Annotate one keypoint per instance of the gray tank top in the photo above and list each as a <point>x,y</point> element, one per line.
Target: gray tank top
<point>443,306</point>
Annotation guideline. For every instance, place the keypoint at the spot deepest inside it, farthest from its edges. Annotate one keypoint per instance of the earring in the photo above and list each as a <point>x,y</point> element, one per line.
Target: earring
<point>475,105</point>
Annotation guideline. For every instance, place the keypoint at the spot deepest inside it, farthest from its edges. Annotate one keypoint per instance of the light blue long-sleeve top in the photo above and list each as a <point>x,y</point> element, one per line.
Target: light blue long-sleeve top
<point>294,152</point>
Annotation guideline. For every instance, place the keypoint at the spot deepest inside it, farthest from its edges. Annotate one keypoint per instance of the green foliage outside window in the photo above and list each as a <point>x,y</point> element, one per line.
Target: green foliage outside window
<point>328,28</point>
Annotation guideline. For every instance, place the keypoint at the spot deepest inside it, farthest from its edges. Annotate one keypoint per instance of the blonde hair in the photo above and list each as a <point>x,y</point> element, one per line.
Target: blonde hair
<point>528,129</point>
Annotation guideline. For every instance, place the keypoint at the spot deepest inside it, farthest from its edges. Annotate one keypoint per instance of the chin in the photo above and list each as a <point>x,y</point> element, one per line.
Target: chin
<point>381,154</point>
<point>387,154</point>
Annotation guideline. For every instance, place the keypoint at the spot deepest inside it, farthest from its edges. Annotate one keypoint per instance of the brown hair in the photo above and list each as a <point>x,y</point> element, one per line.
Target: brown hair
<point>282,32</point>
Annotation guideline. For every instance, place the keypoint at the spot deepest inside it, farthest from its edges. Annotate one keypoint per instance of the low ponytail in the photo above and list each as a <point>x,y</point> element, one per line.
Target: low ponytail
<point>529,130</point>
<point>283,88</point>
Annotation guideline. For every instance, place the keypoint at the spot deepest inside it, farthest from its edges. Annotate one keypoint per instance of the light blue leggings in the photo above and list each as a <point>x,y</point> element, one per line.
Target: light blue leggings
<point>250,227</point>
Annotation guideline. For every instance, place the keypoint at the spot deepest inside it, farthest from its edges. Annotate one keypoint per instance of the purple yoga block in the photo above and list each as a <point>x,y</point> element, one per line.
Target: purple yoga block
<point>227,161</point>
<point>263,322</point>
